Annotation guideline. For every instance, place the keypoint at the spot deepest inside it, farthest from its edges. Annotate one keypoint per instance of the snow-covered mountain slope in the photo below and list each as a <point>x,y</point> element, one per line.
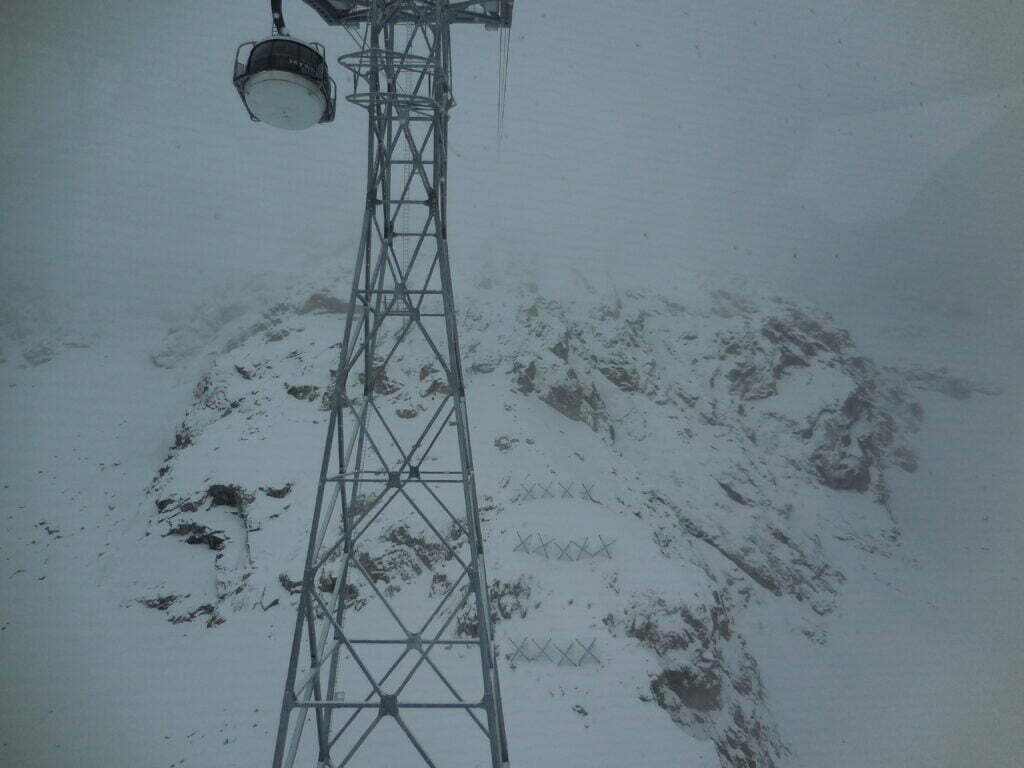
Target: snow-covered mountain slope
<point>753,544</point>
<point>737,449</point>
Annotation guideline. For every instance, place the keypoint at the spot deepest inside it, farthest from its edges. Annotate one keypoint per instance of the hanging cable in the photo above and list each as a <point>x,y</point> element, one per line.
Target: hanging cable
<point>504,43</point>
<point>275,11</point>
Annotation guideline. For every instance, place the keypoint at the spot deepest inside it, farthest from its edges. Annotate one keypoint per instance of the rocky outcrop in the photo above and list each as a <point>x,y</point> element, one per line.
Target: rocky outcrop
<point>709,683</point>
<point>745,436</point>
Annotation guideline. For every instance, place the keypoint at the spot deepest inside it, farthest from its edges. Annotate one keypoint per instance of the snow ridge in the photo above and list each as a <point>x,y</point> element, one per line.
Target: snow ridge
<point>739,444</point>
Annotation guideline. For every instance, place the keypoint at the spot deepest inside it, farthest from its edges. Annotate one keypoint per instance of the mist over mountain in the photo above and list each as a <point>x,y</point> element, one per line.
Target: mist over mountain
<point>766,263</point>
<point>692,137</point>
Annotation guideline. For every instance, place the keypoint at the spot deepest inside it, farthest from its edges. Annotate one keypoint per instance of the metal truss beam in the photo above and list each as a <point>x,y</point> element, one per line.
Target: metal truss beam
<point>418,653</point>
<point>491,13</point>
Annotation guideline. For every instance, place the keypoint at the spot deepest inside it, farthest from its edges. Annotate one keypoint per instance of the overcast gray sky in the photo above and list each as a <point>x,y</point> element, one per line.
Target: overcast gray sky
<point>863,154</point>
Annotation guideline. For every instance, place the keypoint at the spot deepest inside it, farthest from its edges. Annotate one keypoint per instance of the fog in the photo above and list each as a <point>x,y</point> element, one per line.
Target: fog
<point>863,156</point>
<point>856,154</point>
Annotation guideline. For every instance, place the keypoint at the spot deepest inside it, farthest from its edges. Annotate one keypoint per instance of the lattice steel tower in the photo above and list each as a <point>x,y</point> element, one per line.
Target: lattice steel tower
<point>392,660</point>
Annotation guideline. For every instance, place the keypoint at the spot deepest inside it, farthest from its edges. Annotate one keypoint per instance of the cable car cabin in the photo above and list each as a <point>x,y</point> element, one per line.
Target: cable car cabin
<point>285,83</point>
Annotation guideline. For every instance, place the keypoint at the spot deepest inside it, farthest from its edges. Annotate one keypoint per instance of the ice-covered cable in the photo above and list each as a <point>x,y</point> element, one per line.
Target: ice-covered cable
<point>275,11</point>
<point>504,38</point>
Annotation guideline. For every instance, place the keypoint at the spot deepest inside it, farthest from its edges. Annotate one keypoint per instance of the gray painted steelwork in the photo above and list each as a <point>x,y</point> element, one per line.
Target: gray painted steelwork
<point>379,471</point>
<point>494,14</point>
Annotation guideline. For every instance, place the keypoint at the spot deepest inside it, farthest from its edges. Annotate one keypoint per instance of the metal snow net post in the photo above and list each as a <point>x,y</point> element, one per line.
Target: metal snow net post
<point>392,658</point>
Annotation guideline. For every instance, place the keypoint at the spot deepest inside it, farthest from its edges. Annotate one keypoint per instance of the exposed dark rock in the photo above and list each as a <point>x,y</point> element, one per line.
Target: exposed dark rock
<point>203,610</point>
<point>576,401</point>
<point>841,461</point>
<point>733,494</point>
<point>805,333</point>
<point>440,585</point>
<point>621,375</point>
<point>771,559</point>
<point>758,573</point>
<point>787,360</point>
<point>504,443</point>
<point>229,496</point>
<point>752,381</point>
<point>696,690</point>
<point>430,553</point>
<point>842,467</point>
<point>561,349</point>
<point>904,458</point>
<point>199,534</point>
<point>709,684</point>
<point>328,583</point>
<point>291,586</point>
<point>165,506</point>
<point>322,303</point>
<point>507,599</point>
<point>525,377</point>
<point>278,493</point>
<point>648,632</point>
<point>437,387</point>
<point>379,381</point>
<point>398,564</point>
<point>182,436</point>
<point>160,603</point>
<point>208,395</point>
<point>784,342</point>
<point>303,391</point>
<point>38,354</point>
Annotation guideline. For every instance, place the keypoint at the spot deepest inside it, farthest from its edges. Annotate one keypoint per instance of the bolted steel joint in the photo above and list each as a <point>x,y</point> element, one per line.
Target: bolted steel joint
<point>388,704</point>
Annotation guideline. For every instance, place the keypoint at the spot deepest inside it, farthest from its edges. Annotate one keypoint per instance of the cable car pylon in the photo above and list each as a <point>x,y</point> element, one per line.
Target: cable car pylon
<point>387,669</point>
